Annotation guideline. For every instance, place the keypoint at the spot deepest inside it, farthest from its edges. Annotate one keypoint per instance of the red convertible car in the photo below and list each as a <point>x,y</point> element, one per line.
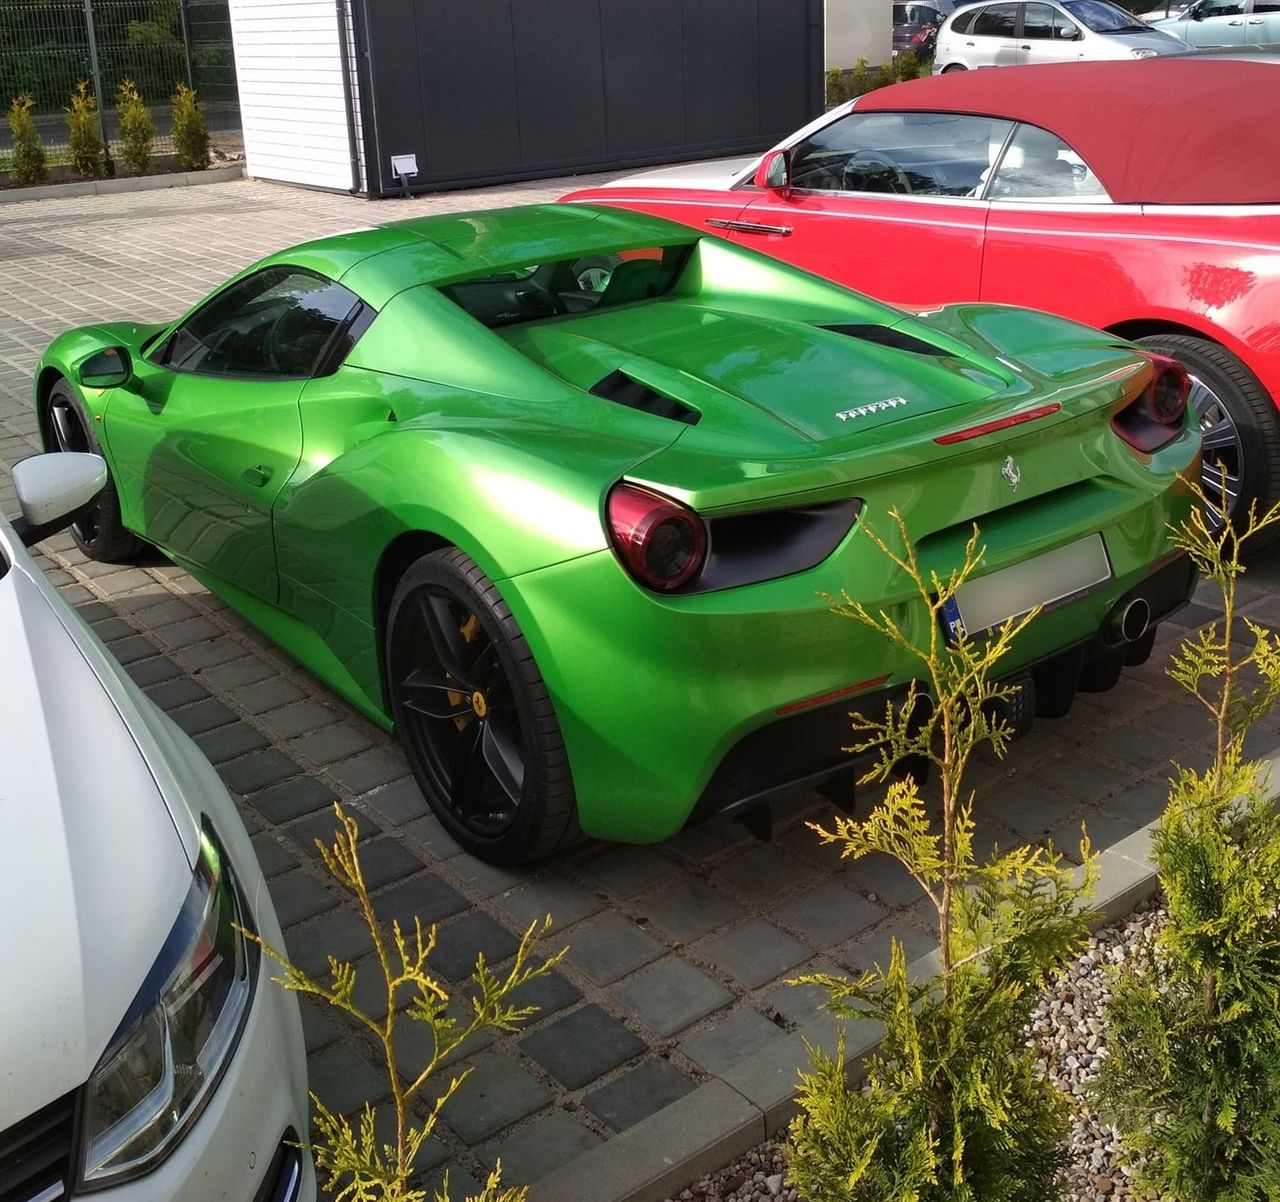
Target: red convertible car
<point>1141,197</point>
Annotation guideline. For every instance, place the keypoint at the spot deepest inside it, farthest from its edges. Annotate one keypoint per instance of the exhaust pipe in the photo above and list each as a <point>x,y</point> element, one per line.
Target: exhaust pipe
<point>1128,623</point>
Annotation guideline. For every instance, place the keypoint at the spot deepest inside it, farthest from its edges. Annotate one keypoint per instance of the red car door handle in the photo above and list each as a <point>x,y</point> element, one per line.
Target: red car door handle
<point>749,227</point>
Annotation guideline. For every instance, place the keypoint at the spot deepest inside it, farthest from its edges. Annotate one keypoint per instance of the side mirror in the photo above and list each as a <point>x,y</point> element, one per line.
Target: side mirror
<point>55,490</point>
<point>107,368</point>
<point>1070,35</point>
<point>774,172</point>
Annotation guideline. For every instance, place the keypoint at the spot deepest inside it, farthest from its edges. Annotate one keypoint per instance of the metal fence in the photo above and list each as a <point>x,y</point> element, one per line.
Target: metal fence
<point>46,46</point>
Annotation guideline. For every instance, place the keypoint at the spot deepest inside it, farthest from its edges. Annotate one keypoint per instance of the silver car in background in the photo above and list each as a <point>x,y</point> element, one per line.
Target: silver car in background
<point>1244,24</point>
<point>1012,32</point>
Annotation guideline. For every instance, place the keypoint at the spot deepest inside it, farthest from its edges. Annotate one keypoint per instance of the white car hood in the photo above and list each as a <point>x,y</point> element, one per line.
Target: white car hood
<point>715,175</point>
<point>93,865</point>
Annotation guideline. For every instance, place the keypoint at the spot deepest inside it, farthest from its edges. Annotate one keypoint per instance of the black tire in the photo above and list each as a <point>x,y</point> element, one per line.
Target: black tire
<point>448,626</point>
<point>1238,421</point>
<point>954,67</point>
<point>100,534</point>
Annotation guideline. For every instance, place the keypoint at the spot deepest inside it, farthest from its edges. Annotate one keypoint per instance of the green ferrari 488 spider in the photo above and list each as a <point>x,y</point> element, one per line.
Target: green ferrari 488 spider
<point>557,492</point>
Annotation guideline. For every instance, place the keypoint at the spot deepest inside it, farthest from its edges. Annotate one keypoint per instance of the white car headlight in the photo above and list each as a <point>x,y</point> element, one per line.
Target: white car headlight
<point>1143,52</point>
<point>168,1054</point>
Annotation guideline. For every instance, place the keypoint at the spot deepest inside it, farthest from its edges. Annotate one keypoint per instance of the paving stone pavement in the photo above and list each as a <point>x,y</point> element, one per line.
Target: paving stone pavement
<point>678,953</point>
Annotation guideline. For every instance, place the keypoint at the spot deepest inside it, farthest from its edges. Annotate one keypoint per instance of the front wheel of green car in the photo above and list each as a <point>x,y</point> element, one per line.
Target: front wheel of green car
<point>474,714</point>
<point>100,534</point>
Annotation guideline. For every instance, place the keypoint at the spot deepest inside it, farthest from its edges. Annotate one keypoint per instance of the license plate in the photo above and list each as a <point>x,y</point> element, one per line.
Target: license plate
<point>1048,580</point>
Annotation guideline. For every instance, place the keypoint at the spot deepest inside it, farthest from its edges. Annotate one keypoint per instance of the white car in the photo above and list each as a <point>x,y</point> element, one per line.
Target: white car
<point>1240,24</point>
<point>1013,32</point>
<point>145,1053</point>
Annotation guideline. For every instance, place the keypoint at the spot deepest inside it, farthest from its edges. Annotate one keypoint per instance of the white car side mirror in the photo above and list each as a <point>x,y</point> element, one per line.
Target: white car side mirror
<point>53,489</point>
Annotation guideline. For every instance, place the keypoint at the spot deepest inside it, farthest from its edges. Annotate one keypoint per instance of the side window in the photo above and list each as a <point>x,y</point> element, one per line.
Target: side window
<point>1221,8</point>
<point>1038,165</point>
<point>962,23</point>
<point>997,21</point>
<point>276,323</point>
<point>1037,21</point>
<point>918,154</point>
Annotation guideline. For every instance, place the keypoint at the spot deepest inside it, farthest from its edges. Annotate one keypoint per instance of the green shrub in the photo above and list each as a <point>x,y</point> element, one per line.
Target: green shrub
<point>835,87</point>
<point>953,1109</point>
<point>1192,1078</point>
<point>137,131</point>
<point>859,79</point>
<point>907,65</point>
<point>884,76</point>
<point>355,1162</point>
<point>85,150</point>
<point>30,162</point>
<point>190,133</point>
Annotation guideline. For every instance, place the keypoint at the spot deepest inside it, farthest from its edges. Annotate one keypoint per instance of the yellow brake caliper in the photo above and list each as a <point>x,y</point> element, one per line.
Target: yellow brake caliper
<point>469,629</point>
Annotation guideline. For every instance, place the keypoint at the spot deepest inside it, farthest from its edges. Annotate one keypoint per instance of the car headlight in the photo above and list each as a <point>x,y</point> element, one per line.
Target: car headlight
<point>1143,52</point>
<point>169,1051</point>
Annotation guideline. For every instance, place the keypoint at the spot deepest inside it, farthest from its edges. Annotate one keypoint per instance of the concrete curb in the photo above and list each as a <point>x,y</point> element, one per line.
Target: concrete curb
<point>137,183</point>
<point>726,1117</point>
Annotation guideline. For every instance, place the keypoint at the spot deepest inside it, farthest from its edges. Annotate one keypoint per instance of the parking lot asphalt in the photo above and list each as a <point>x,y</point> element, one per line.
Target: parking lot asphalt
<point>679,953</point>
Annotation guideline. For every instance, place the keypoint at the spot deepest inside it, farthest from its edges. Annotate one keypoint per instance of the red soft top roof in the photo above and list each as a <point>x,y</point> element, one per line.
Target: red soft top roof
<point>1158,131</point>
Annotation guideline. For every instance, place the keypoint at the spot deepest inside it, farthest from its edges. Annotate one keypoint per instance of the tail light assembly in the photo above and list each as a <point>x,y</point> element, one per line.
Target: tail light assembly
<point>667,547</point>
<point>1154,418</point>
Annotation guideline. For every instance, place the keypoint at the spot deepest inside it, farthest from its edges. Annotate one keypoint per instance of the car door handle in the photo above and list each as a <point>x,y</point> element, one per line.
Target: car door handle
<point>1255,20</point>
<point>1235,22</point>
<point>749,227</point>
<point>257,475</point>
<point>1024,47</point>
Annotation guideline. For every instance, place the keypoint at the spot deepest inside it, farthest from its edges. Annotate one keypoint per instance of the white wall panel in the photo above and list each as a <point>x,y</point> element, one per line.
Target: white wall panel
<point>289,69</point>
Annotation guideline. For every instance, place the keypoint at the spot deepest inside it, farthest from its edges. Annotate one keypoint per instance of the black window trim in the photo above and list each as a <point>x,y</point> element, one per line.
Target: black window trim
<point>361,312</point>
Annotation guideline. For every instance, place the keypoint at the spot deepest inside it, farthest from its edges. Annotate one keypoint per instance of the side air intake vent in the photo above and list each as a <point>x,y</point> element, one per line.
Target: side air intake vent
<point>887,336</point>
<point>620,388</point>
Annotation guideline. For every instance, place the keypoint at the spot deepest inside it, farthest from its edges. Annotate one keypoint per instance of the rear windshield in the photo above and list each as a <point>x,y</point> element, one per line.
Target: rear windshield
<point>580,284</point>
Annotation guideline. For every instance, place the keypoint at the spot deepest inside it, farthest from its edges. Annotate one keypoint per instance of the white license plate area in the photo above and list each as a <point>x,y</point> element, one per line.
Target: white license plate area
<point>1049,580</point>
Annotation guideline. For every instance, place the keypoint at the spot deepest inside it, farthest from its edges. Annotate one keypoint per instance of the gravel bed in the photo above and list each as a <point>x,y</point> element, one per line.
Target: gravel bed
<point>1067,1030</point>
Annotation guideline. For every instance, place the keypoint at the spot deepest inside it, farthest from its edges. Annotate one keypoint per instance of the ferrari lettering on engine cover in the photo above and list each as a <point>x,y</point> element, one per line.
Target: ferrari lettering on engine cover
<point>846,415</point>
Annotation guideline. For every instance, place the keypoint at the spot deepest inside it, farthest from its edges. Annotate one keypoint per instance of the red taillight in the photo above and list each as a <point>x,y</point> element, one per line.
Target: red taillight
<point>661,543</point>
<point>1154,417</point>
<point>1166,395</point>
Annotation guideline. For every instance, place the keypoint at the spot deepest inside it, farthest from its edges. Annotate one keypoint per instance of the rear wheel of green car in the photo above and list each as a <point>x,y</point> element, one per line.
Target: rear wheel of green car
<point>100,534</point>
<point>474,714</point>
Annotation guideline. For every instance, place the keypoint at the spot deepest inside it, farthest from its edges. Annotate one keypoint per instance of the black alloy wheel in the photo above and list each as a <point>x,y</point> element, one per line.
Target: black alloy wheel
<point>474,714</point>
<point>99,533</point>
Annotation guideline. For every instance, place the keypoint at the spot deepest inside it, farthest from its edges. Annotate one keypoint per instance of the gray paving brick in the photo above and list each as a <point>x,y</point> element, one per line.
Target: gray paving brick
<point>427,897</point>
<point>582,1045</point>
<point>112,628</point>
<point>754,952</point>
<point>289,721</point>
<point>230,742</point>
<point>1140,803</point>
<point>549,993</point>
<point>730,1039</point>
<point>272,857</point>
<point>181,690</point>
<point>154,670</point>
<point>828,914</point>
<point>180,635</point>
<point>293,798</point>
<point>340,932</point>
<point>497,1094</point>
<point>333,743</point>
<point>297,896</point>
<point>369,769</point>
<point>319,1027</point>
<point>132,649</point>
<point>627,870</point>
<point>764,873</point>
<point>460,940</point>
<point>552,1139</point>
<point>688,909</point>
<point>563,900</point>
<point>399,802</point>
<point>433,838</point>
<point>207,714</point>
<point>798,1004</point>
<point>324,826</point>
<point>609,946</point>
<point>258,771</point>
<point>1028,806</point>
<point>871,950</point>
<point>670,995</point>
<point>344,1080</point>
<point>643,1091</point>
<point>248,669</point>
<point>263,695</point>
<point>884,880</point>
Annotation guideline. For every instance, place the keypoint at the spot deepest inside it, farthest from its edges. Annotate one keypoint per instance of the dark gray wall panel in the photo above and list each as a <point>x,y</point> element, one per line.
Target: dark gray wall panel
<point>485,91</point>
<point>644,81</point>
<point>560,79</point>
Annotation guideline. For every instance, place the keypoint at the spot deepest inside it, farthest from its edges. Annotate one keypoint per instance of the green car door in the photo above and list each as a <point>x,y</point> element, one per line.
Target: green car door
<point>208,433</point>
